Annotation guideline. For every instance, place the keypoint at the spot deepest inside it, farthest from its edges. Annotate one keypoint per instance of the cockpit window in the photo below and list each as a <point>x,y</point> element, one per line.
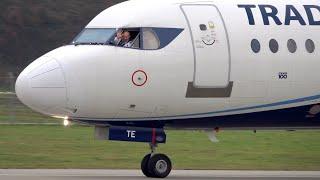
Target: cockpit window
<point>136,42</point>
<point>166,35</point>
<point>94,36</point>
<point>150,38</point>
<point>129,38</point>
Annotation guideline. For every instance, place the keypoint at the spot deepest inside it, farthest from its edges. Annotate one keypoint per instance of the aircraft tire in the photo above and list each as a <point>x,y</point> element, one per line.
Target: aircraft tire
<point>144,166</point>
<point>159,165</point>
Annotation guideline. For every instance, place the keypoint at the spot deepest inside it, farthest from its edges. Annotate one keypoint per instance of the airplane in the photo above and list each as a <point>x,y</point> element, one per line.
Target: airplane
<point>144,66</point>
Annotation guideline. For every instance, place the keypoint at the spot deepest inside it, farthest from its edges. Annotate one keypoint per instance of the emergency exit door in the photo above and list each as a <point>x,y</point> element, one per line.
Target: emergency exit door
<point>210,44</point>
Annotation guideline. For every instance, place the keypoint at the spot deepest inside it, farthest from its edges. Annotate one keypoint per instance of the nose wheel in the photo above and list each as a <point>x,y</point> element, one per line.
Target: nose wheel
<point>156,165</point>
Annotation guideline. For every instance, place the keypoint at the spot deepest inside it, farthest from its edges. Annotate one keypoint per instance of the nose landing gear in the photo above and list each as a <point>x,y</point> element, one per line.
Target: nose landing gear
<point>156,165</point>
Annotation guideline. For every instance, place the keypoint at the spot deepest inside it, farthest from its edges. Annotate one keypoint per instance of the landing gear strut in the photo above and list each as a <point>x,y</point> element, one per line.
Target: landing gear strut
<point>156,165</point>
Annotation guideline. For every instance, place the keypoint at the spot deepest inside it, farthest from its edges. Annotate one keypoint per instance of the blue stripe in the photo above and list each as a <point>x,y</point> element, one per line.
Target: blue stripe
<point>304,99</point>
<point>310,98</point>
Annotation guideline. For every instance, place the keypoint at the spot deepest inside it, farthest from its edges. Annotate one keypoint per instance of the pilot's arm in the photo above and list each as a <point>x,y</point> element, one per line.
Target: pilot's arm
<point>128,44</point>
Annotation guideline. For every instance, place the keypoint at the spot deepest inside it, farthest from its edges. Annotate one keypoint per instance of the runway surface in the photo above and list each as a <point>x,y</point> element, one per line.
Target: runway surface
<point>77,174</point>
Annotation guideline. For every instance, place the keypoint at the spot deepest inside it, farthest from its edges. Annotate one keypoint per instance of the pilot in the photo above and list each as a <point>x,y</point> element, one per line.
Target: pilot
<point>118,37</point>
<point>125,42</point>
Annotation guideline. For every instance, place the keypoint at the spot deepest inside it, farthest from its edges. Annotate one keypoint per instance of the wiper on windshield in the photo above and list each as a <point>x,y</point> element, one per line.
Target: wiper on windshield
<point>86,43</point>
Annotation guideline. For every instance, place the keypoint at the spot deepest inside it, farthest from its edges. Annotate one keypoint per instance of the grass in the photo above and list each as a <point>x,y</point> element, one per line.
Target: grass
<point>13,111</point>
<point>40,146</point>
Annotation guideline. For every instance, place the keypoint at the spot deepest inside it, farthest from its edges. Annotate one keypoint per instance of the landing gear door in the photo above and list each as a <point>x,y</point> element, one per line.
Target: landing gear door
<point>210,44</point>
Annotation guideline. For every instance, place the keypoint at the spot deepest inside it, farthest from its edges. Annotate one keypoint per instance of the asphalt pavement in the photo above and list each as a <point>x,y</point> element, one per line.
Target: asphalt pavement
<point>86,174</point>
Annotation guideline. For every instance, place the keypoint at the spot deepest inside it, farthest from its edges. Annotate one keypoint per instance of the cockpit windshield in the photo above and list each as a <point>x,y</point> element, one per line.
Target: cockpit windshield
<point>94,36</point>
<point>150,38</point>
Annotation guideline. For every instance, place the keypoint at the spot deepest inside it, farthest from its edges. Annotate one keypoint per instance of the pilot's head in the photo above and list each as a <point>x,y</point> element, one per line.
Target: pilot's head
<point>126,36</point>
<point>119,33</point>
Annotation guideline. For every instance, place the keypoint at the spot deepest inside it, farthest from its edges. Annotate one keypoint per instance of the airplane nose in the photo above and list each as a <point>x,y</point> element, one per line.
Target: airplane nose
<point>41,86</point>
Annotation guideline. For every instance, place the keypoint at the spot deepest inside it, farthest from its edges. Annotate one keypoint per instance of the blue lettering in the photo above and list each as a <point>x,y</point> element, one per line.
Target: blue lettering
<point>310,15</point>
<point>294,16</point>
<point>248,8</point>
<point>291,14</point>
<point>272,14</point>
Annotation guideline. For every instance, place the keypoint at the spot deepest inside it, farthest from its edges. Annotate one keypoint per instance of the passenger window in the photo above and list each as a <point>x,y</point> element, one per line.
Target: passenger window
<point>273,45</point>
<point>255,46</point>
<point>292,45</point>
<point>150,40</point>
<point>310,46</point>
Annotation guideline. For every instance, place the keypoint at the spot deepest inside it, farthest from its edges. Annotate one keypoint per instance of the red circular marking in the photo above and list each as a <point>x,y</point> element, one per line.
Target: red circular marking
<point>139,84</point>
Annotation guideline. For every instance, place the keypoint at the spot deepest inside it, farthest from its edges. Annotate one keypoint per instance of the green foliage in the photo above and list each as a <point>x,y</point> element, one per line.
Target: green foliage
<point>30,28</point>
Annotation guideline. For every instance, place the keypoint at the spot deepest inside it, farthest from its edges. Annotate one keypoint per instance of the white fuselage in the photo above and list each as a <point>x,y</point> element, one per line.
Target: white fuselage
<point>98,82</point>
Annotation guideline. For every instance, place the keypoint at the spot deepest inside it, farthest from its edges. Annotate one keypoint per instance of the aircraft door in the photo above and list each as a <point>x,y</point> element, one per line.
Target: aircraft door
<point>210,44</point>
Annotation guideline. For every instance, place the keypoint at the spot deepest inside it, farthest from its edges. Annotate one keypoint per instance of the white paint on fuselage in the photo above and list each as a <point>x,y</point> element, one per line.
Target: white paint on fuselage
<point>98,77</point>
